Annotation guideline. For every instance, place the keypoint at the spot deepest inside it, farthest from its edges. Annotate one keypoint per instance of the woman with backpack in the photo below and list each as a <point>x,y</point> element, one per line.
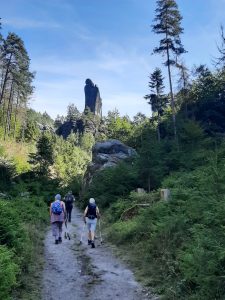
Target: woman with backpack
<point>91,214</point>
<point>57,215</point>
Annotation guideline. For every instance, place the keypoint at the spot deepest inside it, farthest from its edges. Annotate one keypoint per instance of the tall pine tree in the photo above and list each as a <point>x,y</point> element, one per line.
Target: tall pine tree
<point>16,81</point>
<point>168,24</point>
<point>156,99</point>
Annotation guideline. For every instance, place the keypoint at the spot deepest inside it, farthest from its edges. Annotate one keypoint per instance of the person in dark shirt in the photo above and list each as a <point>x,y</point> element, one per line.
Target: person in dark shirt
<point>69,200</point>
<point>91,214</point>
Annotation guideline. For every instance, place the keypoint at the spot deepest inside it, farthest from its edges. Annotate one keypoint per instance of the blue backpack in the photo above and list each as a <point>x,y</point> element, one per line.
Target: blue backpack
<point>57,208</point>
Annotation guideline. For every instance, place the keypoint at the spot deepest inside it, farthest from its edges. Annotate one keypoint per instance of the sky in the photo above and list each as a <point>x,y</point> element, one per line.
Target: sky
<point>108,41</point>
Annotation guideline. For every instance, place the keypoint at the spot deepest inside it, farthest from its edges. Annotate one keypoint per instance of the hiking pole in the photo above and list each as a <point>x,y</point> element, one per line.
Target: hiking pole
<point>100,231</point>
<point>82,233</point>
<point>67,235</point>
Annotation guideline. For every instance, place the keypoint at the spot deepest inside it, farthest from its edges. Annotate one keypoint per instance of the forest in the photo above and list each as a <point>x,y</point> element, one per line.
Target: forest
<point>176,247</point>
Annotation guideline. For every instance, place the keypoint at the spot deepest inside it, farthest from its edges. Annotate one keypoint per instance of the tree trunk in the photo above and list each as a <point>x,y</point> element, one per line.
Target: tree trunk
<point>5,79</point>
<point>10,113</point>
<point>149,184</point>
<point>16,111</point>
<point>6,125</point>
<point>171,94</point>
<point>158,128</point>
<point>185,93</point>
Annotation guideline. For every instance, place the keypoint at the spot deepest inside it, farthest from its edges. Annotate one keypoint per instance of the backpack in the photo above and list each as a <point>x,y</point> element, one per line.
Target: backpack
<point>69,199</point>
<point>91,213</point>
<point>57,208</point>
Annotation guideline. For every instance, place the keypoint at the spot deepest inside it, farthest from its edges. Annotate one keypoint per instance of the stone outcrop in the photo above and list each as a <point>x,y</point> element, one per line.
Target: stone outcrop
<point>107,154</point>
<point>87,122</point>
<point>110,153</point>
<point>69,127</point>
<point>93,101</point>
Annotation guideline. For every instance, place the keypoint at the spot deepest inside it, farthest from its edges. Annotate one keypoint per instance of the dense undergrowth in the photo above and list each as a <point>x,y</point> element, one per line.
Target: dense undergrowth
<point>21,233</point>
<point>30,176</point>
<point>176,246</point>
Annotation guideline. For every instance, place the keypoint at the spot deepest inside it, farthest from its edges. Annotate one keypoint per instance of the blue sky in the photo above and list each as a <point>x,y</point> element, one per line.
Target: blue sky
<point>109,41</point>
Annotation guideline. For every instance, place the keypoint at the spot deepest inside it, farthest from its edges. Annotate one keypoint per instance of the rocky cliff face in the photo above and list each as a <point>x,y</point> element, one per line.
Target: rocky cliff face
<point>93,101</point>
<point>107,154</point>
<point>91,119</point>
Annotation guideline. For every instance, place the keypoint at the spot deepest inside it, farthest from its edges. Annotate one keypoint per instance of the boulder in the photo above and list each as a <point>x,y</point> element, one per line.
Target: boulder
<point>107,154</point>
<point>110,153</point>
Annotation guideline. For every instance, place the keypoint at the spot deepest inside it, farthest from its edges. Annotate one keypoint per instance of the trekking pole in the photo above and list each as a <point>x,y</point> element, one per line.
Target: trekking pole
<point>82,233</point>
<point>65,235</point>
<point>100,231</point>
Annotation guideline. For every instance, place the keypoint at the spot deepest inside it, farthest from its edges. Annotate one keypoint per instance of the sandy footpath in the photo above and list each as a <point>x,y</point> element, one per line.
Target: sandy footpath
<point>77,272</point>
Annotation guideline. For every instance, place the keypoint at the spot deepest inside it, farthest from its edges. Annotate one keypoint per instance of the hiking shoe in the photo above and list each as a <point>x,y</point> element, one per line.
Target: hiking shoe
<point>60,240</point>
<point>89,242</point>
<point>56,242</point>
<point>92,245</point>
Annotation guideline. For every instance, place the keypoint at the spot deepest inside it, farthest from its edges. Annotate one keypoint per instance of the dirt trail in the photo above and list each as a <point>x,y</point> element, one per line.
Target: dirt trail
<point>77,272</point>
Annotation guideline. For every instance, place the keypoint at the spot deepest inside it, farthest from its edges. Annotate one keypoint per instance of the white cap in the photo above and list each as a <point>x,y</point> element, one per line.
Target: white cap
<point>92,201</point>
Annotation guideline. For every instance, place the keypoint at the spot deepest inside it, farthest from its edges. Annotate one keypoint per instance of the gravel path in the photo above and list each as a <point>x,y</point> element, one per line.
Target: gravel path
<point>78,272</point>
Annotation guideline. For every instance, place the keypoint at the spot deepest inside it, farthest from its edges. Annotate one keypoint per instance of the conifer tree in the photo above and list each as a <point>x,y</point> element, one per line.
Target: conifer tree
<point>73,113</point>
<point>16,80</point>
<point>44,157</point>
<point>156,99</point>
<point>184,84</point>
<point>220,61</point>
<point>168,24</point>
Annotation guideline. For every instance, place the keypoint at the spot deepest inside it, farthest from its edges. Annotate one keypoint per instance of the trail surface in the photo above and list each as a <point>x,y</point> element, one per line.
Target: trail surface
<point>77,272</point>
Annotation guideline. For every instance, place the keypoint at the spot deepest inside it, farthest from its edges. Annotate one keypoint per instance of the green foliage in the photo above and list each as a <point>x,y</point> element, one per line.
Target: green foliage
<point>86,142</point>
<point>20,225</point>
<point>7,172</point>
<point>71,164</point>
<point>44,157</point>
<point>16,84</point>
<point>178,245</point>
<point>118,127</point>
<point>31,131</point>
<point>71,160</point>
<point>111,183</point>
<point>8,272</point>
<point>73,113</point>
<point>168,23</point>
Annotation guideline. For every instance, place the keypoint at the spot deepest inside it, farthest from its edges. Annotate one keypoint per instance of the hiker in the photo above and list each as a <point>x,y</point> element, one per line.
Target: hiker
<point>57,215</point>
<point>91,213</point>
<point>69,199</point>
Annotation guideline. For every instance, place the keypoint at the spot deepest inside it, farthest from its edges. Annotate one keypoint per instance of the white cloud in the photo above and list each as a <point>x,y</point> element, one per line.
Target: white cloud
<point>28,23</point>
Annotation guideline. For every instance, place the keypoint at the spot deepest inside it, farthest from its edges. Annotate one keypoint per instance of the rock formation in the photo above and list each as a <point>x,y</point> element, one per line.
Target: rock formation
<point>110,153</point>
<point>107,154</point>
<point>93,101</point>
<point>86,123</point>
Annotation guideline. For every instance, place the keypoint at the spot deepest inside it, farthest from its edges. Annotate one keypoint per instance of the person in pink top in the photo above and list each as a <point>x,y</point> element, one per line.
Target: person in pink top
<point>57,215</point>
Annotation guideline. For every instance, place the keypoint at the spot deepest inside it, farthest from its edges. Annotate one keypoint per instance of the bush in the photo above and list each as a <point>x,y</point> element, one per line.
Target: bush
<point>112,183</point>
<point>179,245</point>
<point>20,240</point>
<point>8,272</point>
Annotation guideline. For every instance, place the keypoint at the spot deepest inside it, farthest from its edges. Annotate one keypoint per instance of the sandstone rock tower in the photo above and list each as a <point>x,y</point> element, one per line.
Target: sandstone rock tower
<point>93,101</point>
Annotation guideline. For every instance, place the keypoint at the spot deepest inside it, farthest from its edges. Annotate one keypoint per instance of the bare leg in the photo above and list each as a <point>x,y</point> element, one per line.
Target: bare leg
<point>92,235</point>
